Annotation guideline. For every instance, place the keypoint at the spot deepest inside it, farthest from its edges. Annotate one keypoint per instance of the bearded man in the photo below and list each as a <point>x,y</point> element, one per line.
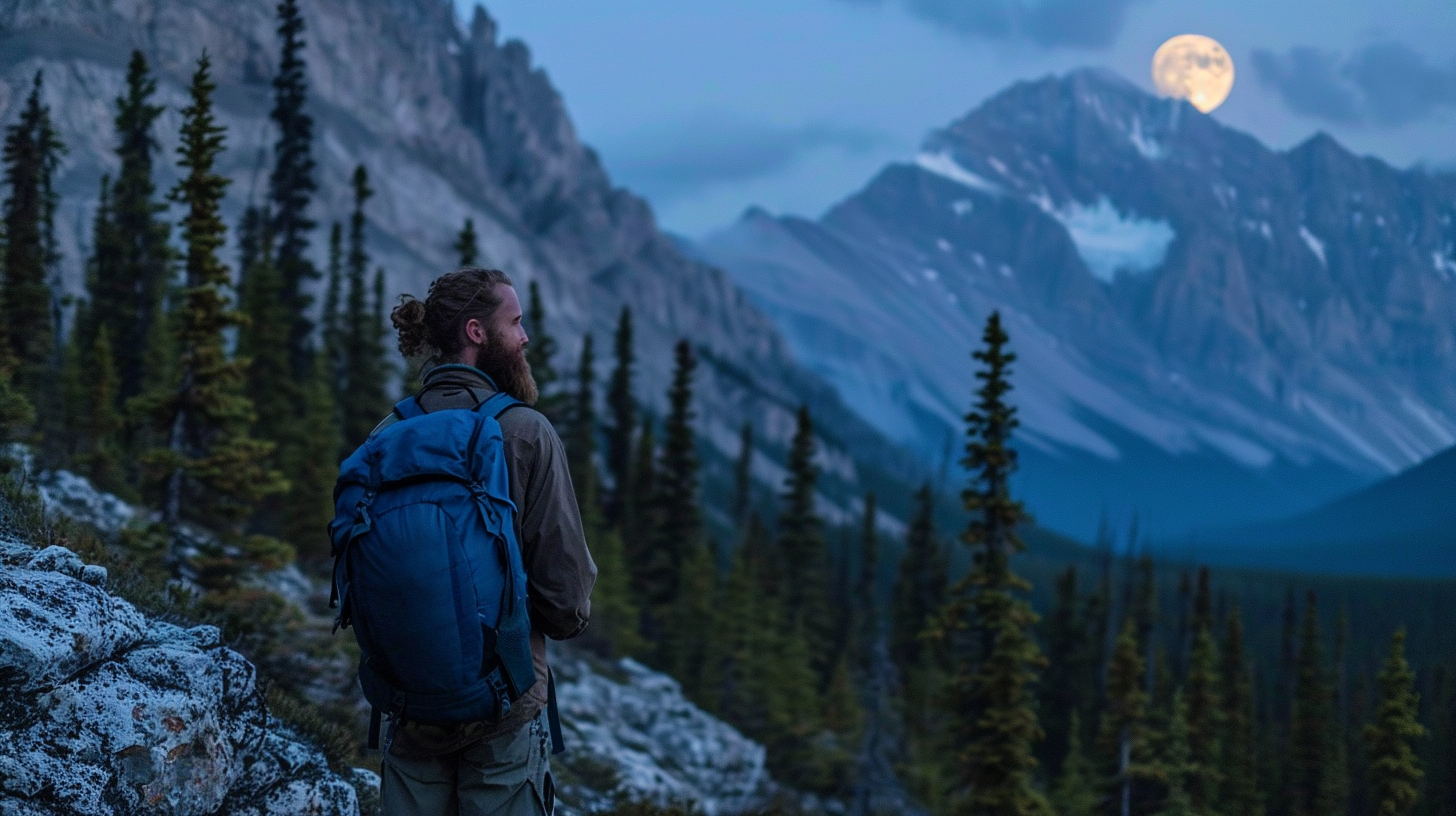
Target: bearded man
<point>469,330</point>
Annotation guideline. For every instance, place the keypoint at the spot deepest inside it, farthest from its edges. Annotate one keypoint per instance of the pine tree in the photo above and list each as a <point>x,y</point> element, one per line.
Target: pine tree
<point>540,351</point>
<point>31,152</point>
<point>291,186</point>
<point>1309,749</point>
<point>675,492</point>
<point>1395,771</point>
<point>211,465</point>
<point>801,540</point>
<point>1239,795</point>
<point>622,415</point>
<point>993,717</point>
<point>132,269</point>
<point>363,400</point>
<point>920,588</point>
<point>466,246</point>
<point>1123,741</point>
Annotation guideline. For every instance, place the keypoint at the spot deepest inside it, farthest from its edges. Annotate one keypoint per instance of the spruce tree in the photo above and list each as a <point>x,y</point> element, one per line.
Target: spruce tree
<point>1123,741</point>
<point>332,317</point>
<point>581,430</point>
<point>210,464</point>
<point>132,270</point>
<point>1395,771</point>
<point>263,338</point>
<point>466,246</point>
<point>801,540</point>
<point>1063,686</point>
<point>622,419</point>
<point>1075,793</point>
<point>675,491</point>
<point>1176,764</point>
<point>1204,713</point>
<point>866,609</point>
<point>1240,794</point>
<point>291,186</point>
<point>743,474</point>
<point>920,588</point>
<point>1309,749</point>
<point>540,352</point>
<point>30,154</point>
<point>363,402</point>
<point>639,515</point>
<point>993,719</point>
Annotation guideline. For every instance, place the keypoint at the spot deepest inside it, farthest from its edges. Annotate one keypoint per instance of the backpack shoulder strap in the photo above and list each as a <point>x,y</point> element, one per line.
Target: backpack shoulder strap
<point>497,404</point>
<point>408,408</point>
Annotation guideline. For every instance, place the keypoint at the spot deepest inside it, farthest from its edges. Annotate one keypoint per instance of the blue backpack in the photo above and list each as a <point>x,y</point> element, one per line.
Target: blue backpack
<point>427,569</point>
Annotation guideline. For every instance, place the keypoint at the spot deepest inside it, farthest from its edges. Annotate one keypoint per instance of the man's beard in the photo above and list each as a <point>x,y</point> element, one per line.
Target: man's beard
<point>509,369</point>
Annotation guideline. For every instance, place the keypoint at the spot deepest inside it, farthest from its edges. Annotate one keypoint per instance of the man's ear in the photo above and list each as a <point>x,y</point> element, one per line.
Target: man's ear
<point>475,332</point>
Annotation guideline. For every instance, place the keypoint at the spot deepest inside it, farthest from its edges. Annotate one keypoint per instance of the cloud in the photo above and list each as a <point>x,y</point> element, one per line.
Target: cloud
<point>1089,24</point>
<point>1384,84</point>
<point>672,162</point>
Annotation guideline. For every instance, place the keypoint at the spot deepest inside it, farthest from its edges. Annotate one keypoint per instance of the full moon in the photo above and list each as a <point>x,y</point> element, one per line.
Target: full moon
<point>1195,68</point>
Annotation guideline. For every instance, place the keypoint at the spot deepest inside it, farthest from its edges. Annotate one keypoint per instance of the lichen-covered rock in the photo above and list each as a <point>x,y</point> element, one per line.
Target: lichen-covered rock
<point>103,711</point>
<point>642,740</point>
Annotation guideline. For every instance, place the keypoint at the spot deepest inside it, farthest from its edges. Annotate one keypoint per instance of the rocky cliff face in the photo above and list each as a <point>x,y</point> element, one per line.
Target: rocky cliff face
<point>452,124</point>
<point>1208,329</point>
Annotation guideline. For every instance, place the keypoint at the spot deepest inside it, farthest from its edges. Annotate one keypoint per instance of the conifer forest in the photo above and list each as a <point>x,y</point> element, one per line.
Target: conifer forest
<point>993,667</point>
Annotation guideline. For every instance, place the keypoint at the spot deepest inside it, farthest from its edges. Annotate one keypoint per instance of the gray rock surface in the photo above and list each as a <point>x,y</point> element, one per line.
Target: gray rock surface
<point>633,733</point>
<point>103,711</point>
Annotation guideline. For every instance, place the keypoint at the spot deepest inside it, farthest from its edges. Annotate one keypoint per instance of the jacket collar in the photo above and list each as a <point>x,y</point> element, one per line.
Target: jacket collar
<point>459,374</point>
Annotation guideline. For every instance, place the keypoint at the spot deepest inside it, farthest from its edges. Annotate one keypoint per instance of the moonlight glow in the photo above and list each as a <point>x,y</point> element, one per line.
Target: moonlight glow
<point>1195,68</point>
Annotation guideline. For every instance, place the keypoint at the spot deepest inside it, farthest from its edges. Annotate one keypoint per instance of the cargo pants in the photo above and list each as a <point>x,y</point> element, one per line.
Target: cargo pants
<point>509,775</point>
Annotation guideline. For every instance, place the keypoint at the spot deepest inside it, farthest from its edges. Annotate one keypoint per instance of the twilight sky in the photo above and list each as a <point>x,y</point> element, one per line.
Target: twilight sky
<point>706,107</point>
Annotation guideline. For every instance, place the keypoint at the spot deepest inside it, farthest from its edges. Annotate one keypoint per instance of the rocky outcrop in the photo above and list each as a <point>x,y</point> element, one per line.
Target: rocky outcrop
<point>634,737</point>
<point>105,711</point>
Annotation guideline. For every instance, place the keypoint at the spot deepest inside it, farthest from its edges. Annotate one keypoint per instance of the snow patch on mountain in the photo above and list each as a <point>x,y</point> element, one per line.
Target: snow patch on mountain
<point>942,164</point>
<point>1150,148</point>
<point>1315,245</point>
<point>1111,242</point>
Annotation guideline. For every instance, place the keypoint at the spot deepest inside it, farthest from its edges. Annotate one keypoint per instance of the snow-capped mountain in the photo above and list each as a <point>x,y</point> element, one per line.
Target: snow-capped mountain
<point>1208,330</point>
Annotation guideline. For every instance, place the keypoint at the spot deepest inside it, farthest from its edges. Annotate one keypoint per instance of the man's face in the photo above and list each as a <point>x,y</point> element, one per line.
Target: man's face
<point>502,353</point>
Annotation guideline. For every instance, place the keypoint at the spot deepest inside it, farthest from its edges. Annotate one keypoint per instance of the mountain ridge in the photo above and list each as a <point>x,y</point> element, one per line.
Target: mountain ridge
<point>1161,274</point>
<point>453,123</point>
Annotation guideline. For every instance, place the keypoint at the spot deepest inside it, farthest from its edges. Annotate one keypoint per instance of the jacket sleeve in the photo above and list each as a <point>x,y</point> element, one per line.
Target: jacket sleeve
<point>559,567</point>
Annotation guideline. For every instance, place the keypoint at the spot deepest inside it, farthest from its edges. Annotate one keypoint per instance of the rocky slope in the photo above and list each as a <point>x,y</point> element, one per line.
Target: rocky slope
<point>1208,330</point>
<point>103,710</point>
<point>452,124</point>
